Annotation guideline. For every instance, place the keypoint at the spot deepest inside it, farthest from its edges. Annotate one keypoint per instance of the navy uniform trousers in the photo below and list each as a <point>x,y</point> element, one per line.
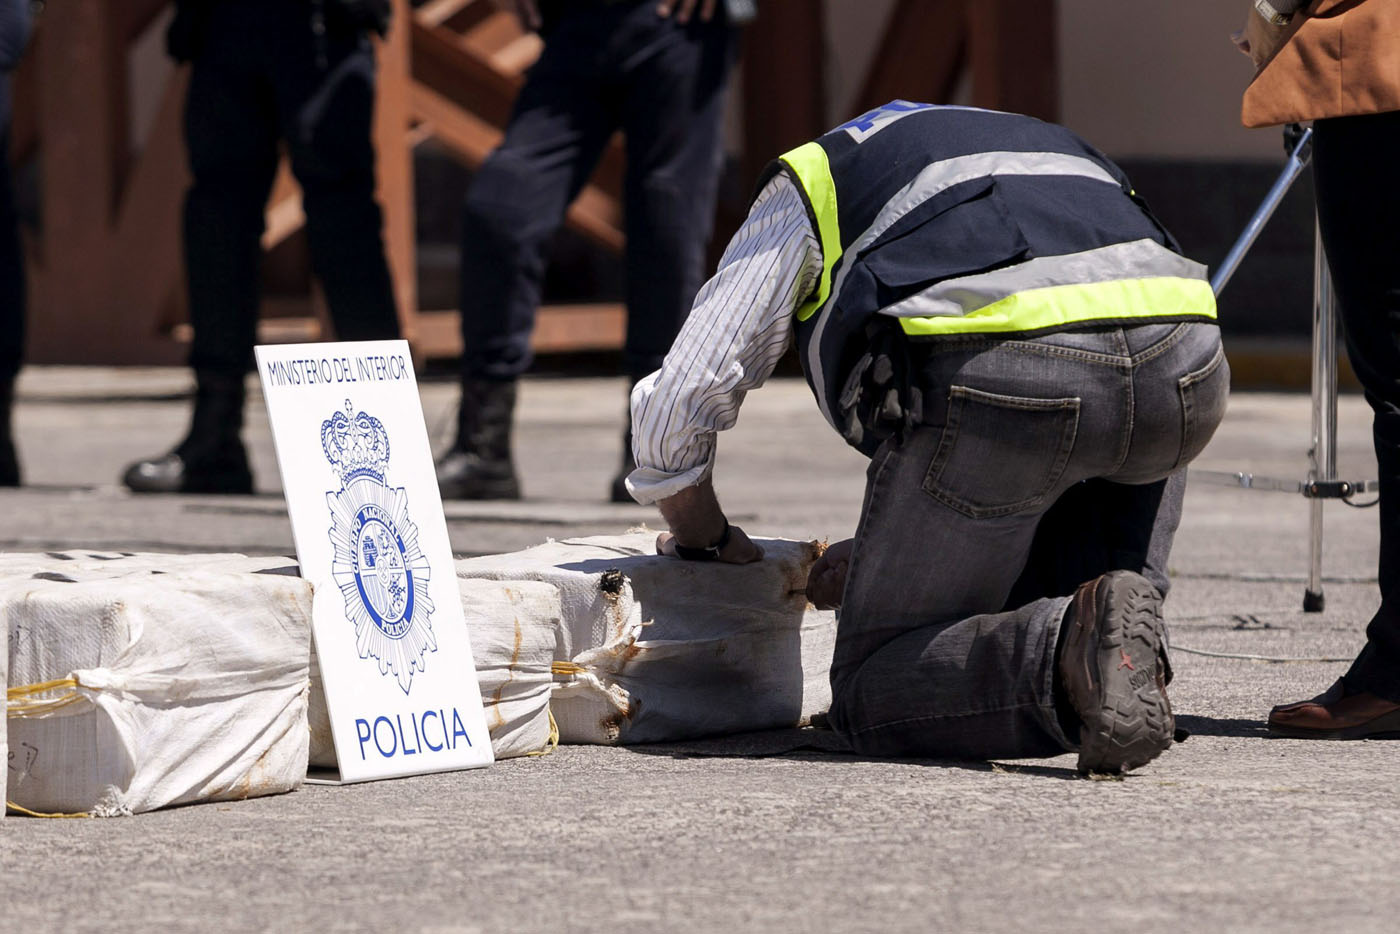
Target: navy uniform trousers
<point>261,75</point>
<point>11,273</point>
<point>605,66</point>
<point>1358,206</point>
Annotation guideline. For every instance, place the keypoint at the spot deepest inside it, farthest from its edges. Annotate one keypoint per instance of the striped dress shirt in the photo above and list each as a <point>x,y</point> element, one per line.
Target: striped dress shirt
<point>738,329</point>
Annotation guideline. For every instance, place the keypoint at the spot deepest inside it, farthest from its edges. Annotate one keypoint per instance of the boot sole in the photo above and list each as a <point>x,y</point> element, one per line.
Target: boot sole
<point>1127,718</point>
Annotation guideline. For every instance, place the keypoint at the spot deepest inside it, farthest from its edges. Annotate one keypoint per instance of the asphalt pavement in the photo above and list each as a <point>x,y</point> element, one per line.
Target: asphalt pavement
<point>1228,831</point>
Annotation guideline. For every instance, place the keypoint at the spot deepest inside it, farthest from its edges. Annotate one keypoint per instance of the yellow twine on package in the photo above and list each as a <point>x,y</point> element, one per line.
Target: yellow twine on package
<point>11,806</point>
<point>21,702</point>
<point>552,743</point>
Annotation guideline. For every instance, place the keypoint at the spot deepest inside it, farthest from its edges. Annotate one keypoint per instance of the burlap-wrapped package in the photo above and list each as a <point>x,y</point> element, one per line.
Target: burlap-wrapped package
<point>654,649</point>
<point>146,682</point>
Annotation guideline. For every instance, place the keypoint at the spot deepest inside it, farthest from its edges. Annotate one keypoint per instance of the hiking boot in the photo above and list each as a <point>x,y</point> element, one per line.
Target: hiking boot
<point>211,458</point>
<point>1112,667</point>
<point>478,465</point>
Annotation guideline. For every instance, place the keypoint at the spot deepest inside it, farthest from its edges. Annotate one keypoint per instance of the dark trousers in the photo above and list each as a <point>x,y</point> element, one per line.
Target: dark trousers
<point>604,67</point>
<point>1355,163</point>
<point>11,273</point>
<point>261,75</point>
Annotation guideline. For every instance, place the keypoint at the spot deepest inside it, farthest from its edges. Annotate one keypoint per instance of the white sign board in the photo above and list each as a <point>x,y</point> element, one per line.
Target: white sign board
<point>395,657</point>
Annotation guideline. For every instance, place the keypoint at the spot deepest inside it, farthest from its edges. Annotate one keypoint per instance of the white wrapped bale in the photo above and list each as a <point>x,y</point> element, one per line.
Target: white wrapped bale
<point>4,734</point>
<point>659,649</point>
<point>167,688</point>
<point>515,632</point>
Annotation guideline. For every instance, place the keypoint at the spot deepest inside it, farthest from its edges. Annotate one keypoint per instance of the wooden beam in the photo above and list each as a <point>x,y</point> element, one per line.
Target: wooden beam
<point>921,55</point>
<point>284,215</point>
<point>595,213</point>
<point>393,117</point>
<point>79,187</point>
<point>135,16</point>
<point>784,94</point>
<point>146,235</point>
<point>24,115</point>
<point>461,76</point>
<point>437,12</point>
<point>1013,52</point>
<point>558,329</point>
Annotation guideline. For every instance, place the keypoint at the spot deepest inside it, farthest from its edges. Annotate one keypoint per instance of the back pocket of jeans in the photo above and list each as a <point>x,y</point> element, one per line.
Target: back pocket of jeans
<point>1204,393</point>
<point>1000,454</point>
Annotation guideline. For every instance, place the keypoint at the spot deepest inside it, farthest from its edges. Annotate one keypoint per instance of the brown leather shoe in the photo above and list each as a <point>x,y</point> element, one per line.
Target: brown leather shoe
<point>1335,714</point>
<point>1113,669</point>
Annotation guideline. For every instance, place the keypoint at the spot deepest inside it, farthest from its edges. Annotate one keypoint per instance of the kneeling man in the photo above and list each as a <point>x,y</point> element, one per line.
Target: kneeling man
<point>985,307</point>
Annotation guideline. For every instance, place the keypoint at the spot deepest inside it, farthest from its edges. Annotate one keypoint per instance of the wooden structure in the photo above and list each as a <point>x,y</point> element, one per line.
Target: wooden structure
<point>105,278</point>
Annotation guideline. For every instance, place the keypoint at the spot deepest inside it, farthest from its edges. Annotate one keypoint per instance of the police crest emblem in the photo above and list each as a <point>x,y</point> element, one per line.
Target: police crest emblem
<point>378,564</point>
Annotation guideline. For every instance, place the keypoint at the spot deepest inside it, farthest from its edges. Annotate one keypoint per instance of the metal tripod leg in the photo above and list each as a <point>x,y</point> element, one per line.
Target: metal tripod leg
<point>1299,144</point>
<point>1322,483</point>
<point>1323,456</point>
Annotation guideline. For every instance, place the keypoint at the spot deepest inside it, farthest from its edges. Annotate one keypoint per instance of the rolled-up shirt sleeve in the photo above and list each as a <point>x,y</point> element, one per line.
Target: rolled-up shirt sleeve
<point>738,329</point>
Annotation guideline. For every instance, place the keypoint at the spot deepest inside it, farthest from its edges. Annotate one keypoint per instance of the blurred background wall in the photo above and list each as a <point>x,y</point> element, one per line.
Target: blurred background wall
<point>1156,86</point>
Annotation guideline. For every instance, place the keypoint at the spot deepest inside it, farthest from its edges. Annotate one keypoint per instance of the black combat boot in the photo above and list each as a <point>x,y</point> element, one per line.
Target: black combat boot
<point>9,463</point>
<point>618,493</point>
<point>478,466</point>
<point>211,459</point>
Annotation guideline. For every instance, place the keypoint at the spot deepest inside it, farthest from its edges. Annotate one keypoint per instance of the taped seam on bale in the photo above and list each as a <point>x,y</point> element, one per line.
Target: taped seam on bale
<point>552,743</point>
<point>11,806</point>
<point>19,704</point>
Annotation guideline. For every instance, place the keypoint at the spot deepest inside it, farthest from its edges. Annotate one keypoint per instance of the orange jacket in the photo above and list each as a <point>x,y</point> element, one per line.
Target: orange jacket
<point>1342,58</point>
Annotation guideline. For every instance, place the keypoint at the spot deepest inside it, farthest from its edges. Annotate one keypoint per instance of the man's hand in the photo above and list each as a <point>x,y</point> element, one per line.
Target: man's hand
<point>684,9</point>
<point>696,520</point>
<point>1259,38</point>
<point>740,549</point>
<point>826,581</point>
<point>527,11</point>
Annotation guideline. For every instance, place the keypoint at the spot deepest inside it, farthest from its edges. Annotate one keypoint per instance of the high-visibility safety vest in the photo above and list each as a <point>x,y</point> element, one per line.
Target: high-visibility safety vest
<point>960,221</point>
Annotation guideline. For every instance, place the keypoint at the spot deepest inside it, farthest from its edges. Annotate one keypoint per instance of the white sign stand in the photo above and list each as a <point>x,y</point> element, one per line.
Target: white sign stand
<point>395,657</point>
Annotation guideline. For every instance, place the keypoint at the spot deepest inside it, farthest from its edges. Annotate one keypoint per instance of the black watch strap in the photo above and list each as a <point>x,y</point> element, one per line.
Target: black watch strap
<point>710,553</point>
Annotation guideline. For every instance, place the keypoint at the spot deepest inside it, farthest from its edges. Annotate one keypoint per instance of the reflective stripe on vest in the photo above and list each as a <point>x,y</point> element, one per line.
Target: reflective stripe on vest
<point>1125,280</point>
<point>813,169</point>
<point>1057,290</point>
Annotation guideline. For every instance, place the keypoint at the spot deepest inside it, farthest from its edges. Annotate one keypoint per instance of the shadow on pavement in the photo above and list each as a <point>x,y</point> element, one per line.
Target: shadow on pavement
<point>816,744</point>
<point>1220,726</point>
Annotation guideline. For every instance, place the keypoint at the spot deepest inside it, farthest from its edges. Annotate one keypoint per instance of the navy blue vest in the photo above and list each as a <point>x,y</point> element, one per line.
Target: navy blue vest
<point>910,197</point>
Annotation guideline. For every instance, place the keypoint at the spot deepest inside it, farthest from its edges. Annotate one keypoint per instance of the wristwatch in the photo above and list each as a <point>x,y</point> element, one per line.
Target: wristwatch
<point>1271,16</point>
<point>708,553</point>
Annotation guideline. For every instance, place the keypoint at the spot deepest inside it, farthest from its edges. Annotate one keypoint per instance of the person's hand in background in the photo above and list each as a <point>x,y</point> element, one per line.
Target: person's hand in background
<point>685,9</point>
<point>1259,38</point>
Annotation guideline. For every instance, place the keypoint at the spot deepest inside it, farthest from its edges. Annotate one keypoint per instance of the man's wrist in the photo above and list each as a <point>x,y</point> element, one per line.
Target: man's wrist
<point>708,552</point>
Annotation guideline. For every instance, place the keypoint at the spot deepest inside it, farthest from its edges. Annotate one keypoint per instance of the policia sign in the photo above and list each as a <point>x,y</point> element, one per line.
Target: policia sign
<point>393,648</point>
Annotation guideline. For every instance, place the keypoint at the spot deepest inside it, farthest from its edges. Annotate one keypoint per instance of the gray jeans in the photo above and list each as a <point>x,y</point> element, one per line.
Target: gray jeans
<point>1042,463</point>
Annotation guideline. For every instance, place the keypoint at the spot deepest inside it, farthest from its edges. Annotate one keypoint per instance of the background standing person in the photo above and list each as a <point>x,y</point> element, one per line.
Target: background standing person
<point>1337,62</point>
<point>657,71</point>
<point>299,71</point>
<point>14,33</point>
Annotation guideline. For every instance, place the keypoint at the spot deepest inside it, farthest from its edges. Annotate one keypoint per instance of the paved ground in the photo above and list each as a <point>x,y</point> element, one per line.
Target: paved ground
<point>1228,831</point>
